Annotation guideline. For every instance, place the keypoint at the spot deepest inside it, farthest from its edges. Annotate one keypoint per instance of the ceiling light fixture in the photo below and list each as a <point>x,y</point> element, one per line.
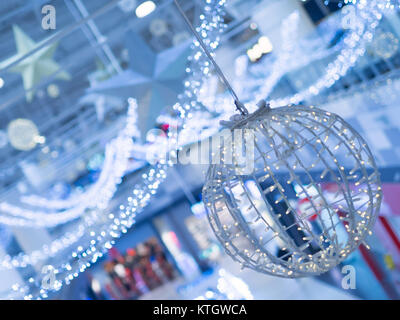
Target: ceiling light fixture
<point>145,8</point>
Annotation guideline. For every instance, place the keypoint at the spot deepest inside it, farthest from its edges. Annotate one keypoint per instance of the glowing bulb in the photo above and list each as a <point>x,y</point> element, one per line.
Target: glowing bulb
<point>96,286</point>
<point>40,139</point>
<point>145,8</point>
<point>257,51</point>
<point>253,55</point>
<point>265,45</point>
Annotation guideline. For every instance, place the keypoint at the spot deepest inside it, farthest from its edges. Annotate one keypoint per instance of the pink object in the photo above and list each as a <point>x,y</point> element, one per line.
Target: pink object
<point>391,195</point>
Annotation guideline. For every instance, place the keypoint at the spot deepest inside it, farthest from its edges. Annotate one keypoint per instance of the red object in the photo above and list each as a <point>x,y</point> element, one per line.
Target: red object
<point>121,288</point>
<point>131,280</point>
<point>390,231</point>
<point>131,252</point>
<point>376,270</point>
<point>305,201</point>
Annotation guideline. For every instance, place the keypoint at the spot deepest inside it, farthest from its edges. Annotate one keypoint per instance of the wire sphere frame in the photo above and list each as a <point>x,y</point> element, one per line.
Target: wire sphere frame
<point>252,214</point>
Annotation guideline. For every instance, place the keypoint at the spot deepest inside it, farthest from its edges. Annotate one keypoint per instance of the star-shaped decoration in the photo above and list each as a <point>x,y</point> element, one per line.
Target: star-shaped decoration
<point>154,79</point>
<point>35,67</point>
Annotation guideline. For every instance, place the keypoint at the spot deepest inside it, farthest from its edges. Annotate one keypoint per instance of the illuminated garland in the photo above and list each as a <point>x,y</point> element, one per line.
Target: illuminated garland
<point>117,155</point>
<point>369,16</point>
<point>345,60</point>
<point>102,235</point>
<point>353,47</point>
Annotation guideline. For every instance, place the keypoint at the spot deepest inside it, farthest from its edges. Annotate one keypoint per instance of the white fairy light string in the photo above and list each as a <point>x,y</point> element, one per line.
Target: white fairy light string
<point>15,263</point>
<point>141,197</point>
<point>285,61</point>
<point>39,219</point>
<point>252,215</point>
<point>117,154</point>
<point>369,16</point>
<point>292,141</point>
<point>57,204</point>
<point>389,4</point>
<point>361,29</point>
<point>353,47</point>
<point>277,73</point>
<point>384,4</point>
<point>57,245</point>
<point>103,236</point>
<point>75,207</point>
<point>45,203</point>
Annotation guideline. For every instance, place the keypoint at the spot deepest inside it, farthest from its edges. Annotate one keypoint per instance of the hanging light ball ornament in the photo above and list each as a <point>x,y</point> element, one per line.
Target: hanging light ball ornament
<point>23,134</point>
<point>270,208</point>
<point>385,44</point>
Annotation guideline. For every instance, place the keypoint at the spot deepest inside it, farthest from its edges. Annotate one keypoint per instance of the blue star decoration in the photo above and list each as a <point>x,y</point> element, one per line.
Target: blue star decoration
<point>154,79</point>
<point>37,66</point>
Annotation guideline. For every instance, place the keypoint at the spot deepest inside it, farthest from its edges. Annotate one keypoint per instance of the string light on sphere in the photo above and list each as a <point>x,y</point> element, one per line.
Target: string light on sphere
<point>297,151</point>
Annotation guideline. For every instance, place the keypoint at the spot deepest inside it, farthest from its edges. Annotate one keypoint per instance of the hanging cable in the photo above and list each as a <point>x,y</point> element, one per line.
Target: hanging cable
<point>238,104</point>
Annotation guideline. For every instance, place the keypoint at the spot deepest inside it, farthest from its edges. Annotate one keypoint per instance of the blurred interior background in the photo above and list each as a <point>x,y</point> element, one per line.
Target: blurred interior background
<point>65,94</point>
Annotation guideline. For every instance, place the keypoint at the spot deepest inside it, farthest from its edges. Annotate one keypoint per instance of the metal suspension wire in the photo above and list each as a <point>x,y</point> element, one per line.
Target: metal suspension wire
<point>238,104</point>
